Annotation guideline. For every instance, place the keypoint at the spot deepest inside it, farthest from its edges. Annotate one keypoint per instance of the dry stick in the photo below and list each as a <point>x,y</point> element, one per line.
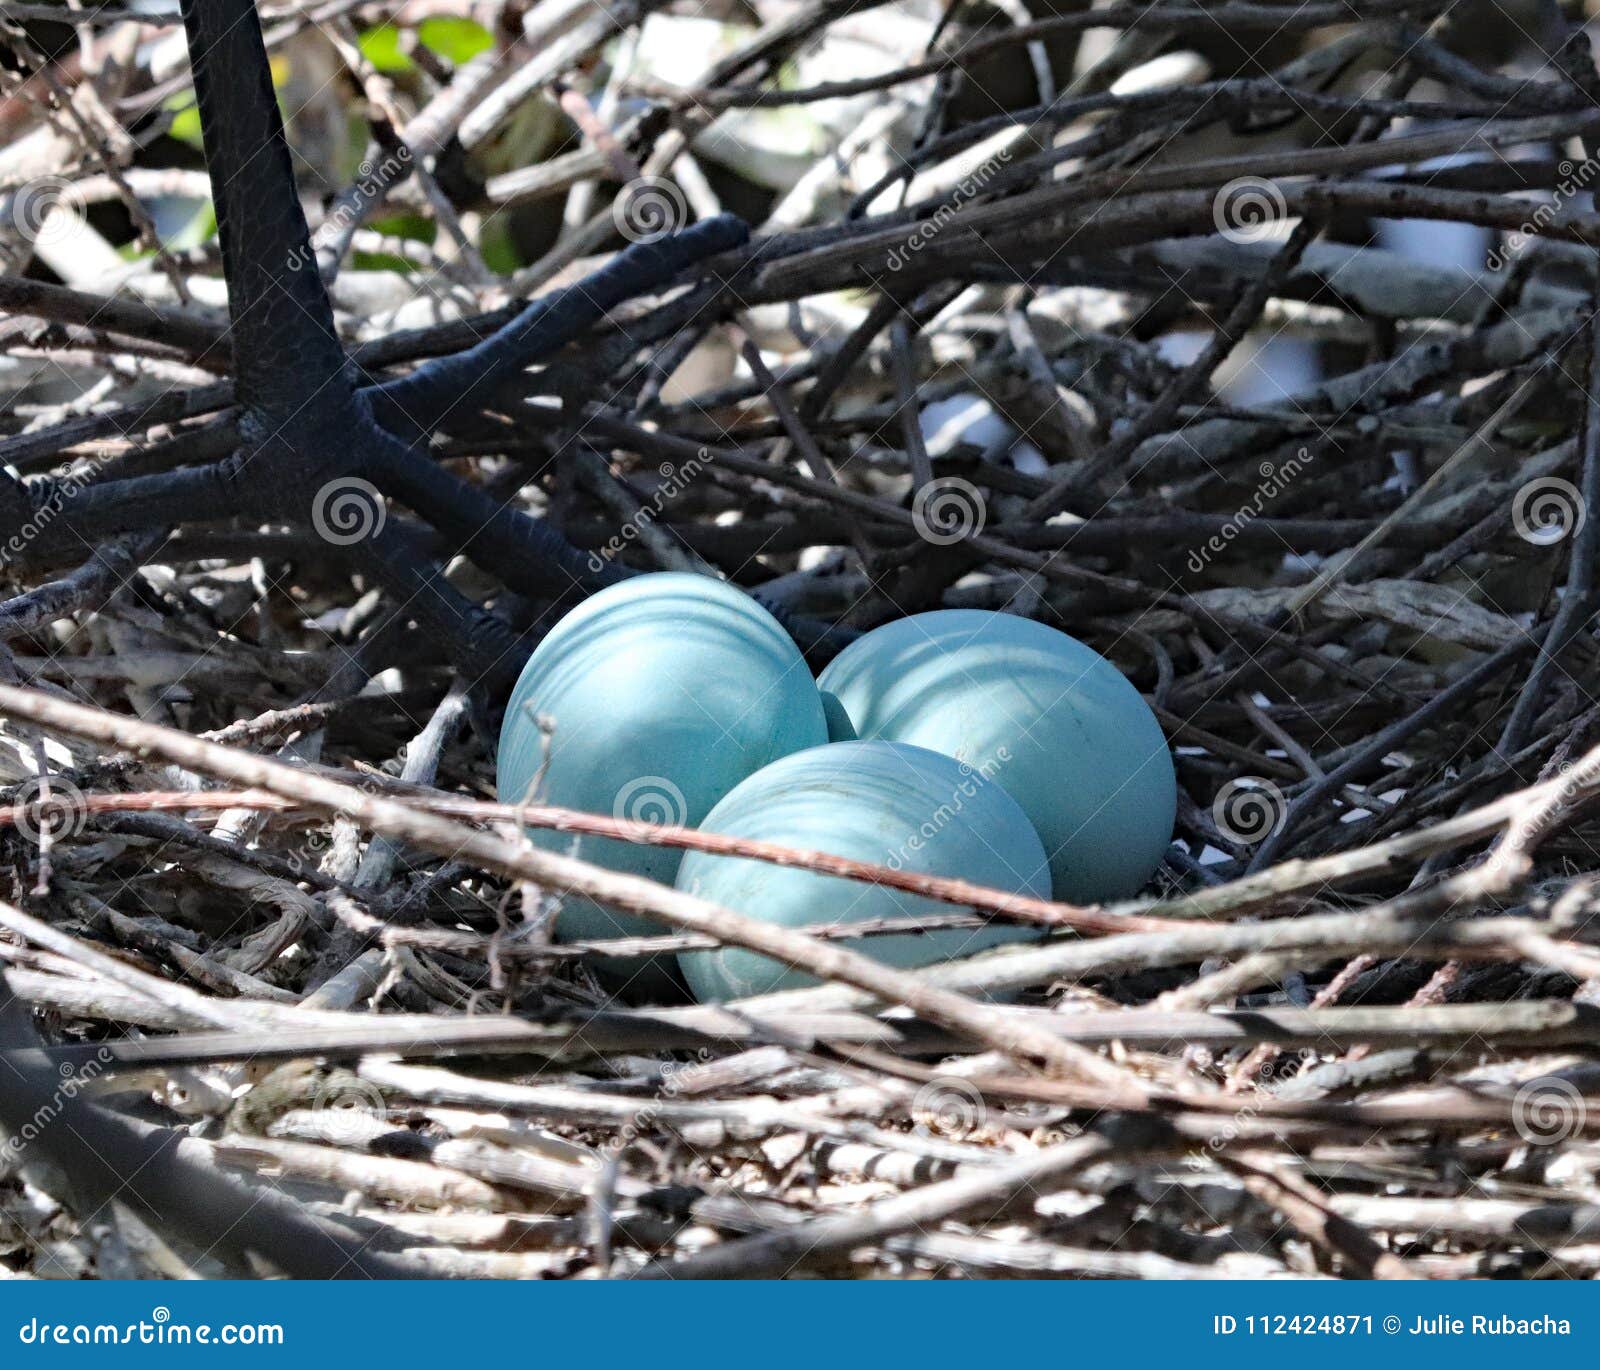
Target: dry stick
<point>1214,1118</point>
<point>1175,18</point>
<point>1164,188</point>
<point>1539,1221</point>
<point>1218,1120</point>
<point>1340,567</point>
<point>387,123</point>
<point>1311,1216</point>
<point>1398,932</point>
<point>794,426</point>
<point>1544,1023</point>
<point>885,309</point>
<point>943,888</point>
<point>1244,315</point>
<point>148,236</point>
<point>1251,1066</point>
<point>1157,215</point>
<point>1480,442</point>
<point>108,1159</point>
<point>566,875</point>
<point>1245,895</point>
<point>1030,235</point>
<point>1275,883</point>
<point>777,396</point>
<point>1577,603</point>
<point>89,587</point>
<point>766,49</point>
<point>1050,566</point>
<point>1276,733</point>
<point>774,1254</point>
<point>1199,1116</point>
<point>183,329</point>
<point>1389,738</point>
<point>168,407</point>
<point>1226,983</point>
<point>342,967</point>
<point>222,1013</point>
<point>1410,921</point>
<point>792,1016</point>
<point>902,358</point>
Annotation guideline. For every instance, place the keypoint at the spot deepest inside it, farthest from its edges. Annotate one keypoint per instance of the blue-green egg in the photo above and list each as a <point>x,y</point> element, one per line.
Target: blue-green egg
<point>1036,711</point>
<point>883,802</point>
<point>661,694</point>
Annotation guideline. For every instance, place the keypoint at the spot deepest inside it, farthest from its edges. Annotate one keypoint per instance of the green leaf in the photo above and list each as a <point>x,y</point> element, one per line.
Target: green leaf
<point>418,227</point>
<point>497,247</point>
<point>381,46</point>
<point>381,261</point>
<point>455,39</point>
<point>185,120</point>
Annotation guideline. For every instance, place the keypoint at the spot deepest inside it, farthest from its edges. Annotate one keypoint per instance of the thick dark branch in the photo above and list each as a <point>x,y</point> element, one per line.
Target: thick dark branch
<point>426,397</point>
<point>530,556</point>
<point>284,345</point>
<point>108,1159</point>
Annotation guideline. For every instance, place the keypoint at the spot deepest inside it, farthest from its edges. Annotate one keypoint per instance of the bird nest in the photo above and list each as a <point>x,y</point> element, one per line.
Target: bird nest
<point>1119,320</point>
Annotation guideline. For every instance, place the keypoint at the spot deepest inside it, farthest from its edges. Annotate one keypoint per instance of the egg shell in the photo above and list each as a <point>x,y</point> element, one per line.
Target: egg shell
<point>1048,718</point>
<point>664,692</point>
<point>883,802</point>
